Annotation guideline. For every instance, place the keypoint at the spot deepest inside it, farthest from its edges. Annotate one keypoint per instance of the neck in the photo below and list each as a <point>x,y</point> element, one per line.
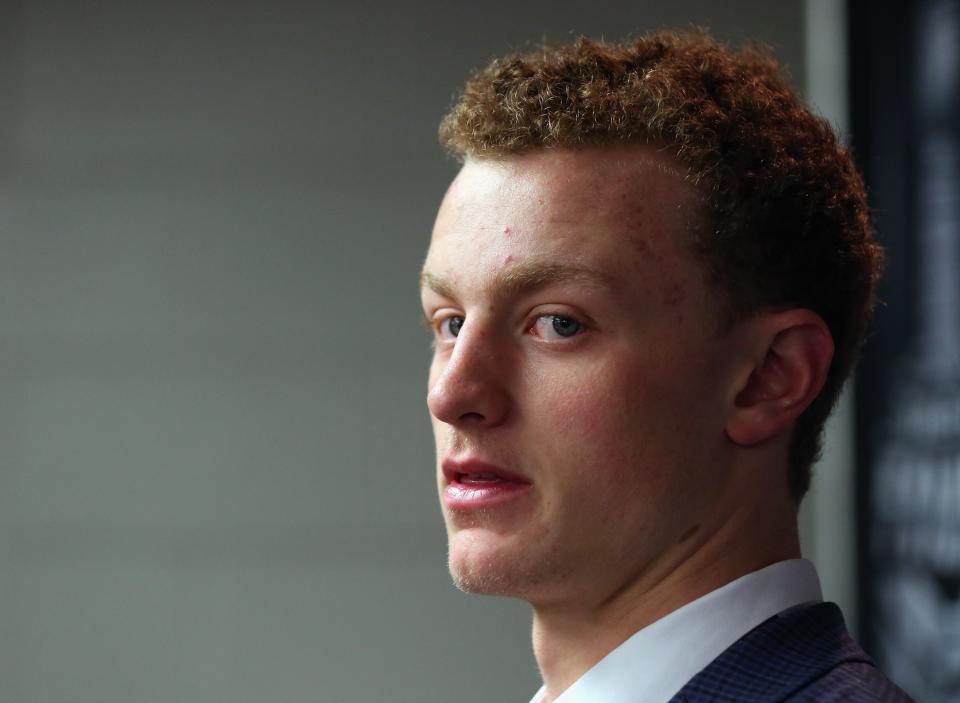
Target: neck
<point>568,640</point>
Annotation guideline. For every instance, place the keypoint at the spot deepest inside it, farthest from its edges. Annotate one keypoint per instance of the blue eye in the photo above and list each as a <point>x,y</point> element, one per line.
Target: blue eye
<point>552,327</point>
<point>564,326</point>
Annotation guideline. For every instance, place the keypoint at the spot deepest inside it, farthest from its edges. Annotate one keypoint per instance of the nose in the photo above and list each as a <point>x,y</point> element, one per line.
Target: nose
<point>469,387</point>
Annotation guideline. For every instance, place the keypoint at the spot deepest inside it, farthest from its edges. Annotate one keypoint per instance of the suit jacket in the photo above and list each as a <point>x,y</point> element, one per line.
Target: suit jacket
<point>803,655</point>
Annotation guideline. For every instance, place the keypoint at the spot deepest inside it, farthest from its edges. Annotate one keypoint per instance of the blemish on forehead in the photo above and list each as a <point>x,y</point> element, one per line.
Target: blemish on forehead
<point>507,231</point>
<point>640,245</point>
<point>645,252</point>
<point>508,259</point>
<point>674,294</point>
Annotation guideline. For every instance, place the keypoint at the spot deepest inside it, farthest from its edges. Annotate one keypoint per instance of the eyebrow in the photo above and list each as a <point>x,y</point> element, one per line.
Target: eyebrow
<point>523,278</point>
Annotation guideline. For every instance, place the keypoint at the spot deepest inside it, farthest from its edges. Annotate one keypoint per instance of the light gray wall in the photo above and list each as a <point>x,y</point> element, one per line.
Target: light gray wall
<point>215,463</point>
<point>827,516</point>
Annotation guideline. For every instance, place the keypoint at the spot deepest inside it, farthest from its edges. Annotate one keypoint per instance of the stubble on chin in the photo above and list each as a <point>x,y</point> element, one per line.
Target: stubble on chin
<point>484,579</point>
<point>479,569</point>
<point>490,578</point>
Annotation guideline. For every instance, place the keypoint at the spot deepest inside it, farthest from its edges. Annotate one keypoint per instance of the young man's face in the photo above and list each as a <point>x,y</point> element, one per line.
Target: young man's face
<point>579,385</point>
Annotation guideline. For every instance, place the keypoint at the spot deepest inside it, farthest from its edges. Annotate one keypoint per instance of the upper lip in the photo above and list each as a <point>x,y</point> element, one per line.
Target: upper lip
<point>453,469</point>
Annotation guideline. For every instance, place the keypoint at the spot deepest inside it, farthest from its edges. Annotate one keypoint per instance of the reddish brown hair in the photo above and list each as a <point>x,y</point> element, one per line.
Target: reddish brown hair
<point>785,210</point>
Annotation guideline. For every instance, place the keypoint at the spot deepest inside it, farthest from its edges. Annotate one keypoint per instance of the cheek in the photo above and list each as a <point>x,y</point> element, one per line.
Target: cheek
<point>440,430</point>
<point>606,466</point>
<point>599,399</point>
<point>592,432</point>
<point>615,426</point>
<point>434,370</point>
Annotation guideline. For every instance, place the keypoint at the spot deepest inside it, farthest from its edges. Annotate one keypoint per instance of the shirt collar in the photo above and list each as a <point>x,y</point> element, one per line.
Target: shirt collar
<point>655,662</point>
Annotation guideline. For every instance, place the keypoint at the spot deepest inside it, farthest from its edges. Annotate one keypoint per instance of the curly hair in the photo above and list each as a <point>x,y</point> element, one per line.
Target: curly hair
<point>786,216</point>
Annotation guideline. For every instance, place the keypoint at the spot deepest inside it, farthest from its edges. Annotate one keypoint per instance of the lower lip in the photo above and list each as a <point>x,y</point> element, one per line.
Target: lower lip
<point>479,496</point>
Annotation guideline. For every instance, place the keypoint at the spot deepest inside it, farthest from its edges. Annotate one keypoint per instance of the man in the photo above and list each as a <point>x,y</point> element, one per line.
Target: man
<point>647,284</point>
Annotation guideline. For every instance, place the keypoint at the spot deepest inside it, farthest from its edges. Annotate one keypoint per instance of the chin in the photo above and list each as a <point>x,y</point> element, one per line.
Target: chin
<point>485,569</point>
<point>486,578</point>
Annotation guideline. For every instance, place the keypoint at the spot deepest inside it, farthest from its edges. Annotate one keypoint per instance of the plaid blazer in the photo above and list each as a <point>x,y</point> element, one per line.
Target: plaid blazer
<point>803,655</point>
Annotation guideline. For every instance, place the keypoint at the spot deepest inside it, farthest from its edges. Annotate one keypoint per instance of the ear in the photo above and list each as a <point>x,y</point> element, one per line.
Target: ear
<point>791,352</point>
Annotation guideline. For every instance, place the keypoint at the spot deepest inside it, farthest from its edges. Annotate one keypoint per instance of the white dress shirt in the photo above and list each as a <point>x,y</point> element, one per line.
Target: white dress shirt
<point>656,662</point>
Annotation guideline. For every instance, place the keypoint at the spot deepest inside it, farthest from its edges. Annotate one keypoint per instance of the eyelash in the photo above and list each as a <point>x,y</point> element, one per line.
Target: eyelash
<point>437,325</point>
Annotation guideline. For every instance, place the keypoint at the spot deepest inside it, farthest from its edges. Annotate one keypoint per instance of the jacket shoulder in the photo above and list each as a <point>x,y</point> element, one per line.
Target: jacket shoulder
<point>804,655</point>
<point>854,682</point>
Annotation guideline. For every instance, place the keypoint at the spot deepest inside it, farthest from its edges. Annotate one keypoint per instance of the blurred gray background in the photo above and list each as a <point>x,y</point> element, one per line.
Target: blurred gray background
<point>216,471</point>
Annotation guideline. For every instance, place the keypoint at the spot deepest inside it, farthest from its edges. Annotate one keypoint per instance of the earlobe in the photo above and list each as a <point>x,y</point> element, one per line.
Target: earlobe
<point>793,350</point>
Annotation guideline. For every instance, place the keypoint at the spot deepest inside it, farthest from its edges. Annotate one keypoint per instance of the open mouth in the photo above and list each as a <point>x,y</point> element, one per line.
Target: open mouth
<point>472,472</point>
<point>473,484</point>
<point>485,478</point>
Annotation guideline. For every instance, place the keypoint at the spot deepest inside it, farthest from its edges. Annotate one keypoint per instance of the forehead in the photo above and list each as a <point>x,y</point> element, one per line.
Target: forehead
<point>621,210</point>
<point>607,182</point>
